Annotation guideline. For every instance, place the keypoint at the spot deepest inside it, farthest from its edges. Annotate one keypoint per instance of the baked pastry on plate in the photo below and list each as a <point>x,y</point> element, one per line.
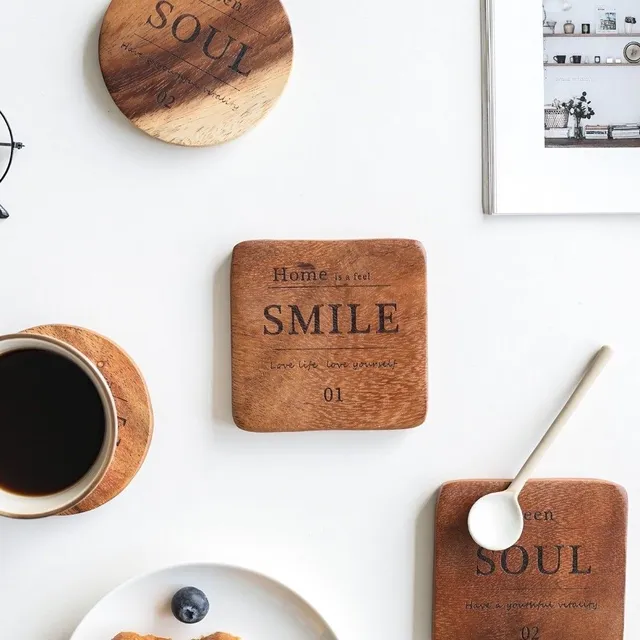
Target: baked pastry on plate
<point>127,635</point>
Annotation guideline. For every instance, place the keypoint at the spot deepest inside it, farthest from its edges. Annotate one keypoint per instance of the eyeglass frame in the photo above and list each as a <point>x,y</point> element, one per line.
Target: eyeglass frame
<point>14,145</point>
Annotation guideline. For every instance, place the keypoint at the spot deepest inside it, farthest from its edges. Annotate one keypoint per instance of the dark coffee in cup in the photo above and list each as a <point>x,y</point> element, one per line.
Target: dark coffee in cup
<point>52,422</point>
<point>560,59</point>
<point>576,59</point>
<point>58,426</point>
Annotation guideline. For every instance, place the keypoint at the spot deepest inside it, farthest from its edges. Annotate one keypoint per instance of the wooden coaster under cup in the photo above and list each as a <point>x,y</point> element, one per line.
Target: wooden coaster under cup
<point>565,579</point>
<point>135,415</point>
<point>329,335</point>
<point>195,72</point>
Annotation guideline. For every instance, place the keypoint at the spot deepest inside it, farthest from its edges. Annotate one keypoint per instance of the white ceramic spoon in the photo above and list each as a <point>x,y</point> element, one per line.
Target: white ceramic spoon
<point>496,521</point>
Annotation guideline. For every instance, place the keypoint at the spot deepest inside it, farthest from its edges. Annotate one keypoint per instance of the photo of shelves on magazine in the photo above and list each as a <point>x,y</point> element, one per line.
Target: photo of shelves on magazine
<point>591,59</point>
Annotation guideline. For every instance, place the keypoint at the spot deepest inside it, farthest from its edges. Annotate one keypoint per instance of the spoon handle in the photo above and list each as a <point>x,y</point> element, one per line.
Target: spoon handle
<point>594,369</point>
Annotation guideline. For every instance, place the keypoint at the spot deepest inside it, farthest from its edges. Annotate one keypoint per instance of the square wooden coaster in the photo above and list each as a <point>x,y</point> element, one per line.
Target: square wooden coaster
<point>564,580</point>
<point>329,335</point>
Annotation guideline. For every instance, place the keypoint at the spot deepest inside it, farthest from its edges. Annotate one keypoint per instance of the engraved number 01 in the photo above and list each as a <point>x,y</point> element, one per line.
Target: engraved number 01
<point>165,99</point>
<point>529,633</point>
<point>333,395</point>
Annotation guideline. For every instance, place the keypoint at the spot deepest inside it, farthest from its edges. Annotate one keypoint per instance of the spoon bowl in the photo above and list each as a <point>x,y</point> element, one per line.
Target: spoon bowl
<point>496,521</point>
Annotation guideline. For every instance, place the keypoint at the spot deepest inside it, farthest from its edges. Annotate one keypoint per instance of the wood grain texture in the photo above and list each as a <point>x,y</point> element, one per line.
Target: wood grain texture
<point>329,335</point>
<point>196,72</point>
<point>565,580</point>
<point>135,415</point>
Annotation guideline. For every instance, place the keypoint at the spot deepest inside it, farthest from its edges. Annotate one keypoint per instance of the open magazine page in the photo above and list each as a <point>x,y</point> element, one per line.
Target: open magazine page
<point>565,120</point>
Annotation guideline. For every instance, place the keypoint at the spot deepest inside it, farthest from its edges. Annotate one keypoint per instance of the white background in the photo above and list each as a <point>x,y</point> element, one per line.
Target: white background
<point>378,135</point>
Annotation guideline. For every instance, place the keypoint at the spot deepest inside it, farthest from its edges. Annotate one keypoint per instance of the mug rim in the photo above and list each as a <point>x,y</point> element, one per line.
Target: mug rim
<point>111,419</point>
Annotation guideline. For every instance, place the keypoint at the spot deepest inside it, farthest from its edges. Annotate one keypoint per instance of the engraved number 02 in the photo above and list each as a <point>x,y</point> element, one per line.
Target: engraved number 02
<point>529,633</point>
<point>165,99</point>
<point>333,395</point>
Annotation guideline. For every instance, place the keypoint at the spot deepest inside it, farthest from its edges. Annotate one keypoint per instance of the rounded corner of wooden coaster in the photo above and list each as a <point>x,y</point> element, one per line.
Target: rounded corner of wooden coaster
<point>133,402</point>
<point>195,72</point>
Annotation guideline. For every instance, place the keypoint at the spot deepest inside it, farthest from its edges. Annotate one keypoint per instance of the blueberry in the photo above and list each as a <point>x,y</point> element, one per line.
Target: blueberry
<point>189,605</point>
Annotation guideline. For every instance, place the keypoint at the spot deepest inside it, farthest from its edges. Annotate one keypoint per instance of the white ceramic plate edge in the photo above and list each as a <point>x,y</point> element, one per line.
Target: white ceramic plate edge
<point>329,633</point>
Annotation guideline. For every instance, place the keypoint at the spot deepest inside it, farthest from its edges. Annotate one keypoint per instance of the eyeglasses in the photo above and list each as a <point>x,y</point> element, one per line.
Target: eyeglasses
<point>8,147</point>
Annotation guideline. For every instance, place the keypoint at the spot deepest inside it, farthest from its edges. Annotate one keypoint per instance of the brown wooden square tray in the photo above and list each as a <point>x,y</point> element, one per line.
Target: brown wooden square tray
<point>564,580</point>
<point>329,335</point>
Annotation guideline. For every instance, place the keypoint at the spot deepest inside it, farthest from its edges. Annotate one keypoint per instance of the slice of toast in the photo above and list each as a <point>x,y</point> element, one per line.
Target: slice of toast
<point>127,635</point>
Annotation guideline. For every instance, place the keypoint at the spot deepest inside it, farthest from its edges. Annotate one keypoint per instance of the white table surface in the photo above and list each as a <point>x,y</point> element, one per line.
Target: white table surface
<point>378,135</point>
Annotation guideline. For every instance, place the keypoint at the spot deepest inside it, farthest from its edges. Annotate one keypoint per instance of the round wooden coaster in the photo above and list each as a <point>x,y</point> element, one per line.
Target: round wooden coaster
<point>135,415</point>
<point>195,72</point>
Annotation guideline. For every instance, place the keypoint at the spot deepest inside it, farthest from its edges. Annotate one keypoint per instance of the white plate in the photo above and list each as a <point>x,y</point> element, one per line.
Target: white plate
<point>243,603</point>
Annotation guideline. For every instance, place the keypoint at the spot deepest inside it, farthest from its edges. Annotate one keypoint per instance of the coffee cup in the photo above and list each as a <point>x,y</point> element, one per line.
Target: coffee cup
<point>560,59</point>
<point>58,426</point>
<point>576,59</point>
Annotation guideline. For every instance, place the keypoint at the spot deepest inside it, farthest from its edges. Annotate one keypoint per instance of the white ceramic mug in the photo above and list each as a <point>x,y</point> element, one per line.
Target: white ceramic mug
<point>21,506</point>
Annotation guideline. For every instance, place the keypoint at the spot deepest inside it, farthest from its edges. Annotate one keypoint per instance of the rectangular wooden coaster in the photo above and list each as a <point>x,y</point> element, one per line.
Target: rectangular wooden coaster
<point>564,580</point>
<point>329,335</point>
